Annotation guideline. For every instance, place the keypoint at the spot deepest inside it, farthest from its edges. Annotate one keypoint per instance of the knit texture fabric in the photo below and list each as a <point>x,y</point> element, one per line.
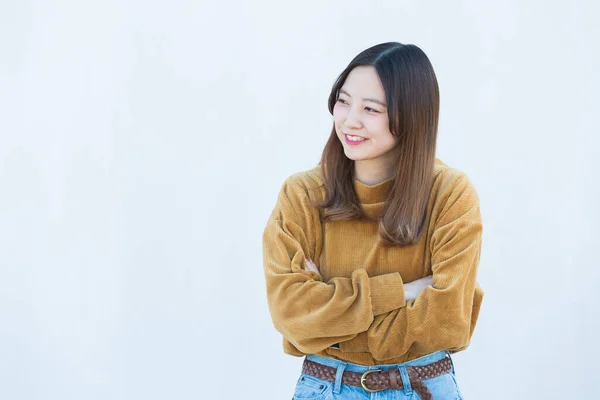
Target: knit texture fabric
<point>357,299</point>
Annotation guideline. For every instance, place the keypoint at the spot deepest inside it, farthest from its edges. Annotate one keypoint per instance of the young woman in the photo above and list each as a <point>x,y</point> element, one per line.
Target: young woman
<point>371,257</point>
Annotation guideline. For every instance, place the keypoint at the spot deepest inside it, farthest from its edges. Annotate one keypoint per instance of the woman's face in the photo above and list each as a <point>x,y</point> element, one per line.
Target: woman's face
<point>360,113</point>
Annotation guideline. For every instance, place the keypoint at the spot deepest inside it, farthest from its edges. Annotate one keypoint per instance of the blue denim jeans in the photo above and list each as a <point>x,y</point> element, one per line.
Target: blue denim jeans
<point>443,387</point>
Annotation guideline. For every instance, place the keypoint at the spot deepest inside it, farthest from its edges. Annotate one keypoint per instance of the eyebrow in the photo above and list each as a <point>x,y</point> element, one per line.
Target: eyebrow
<point>365,99</point>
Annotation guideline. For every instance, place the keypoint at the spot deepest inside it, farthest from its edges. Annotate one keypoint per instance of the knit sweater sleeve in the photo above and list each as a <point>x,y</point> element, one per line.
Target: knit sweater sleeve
<point>308,312</point>
<point>443,315</point>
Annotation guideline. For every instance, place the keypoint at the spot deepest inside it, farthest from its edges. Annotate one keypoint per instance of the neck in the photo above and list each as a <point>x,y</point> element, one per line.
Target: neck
<point>376,170</point>
<point>371,173</point>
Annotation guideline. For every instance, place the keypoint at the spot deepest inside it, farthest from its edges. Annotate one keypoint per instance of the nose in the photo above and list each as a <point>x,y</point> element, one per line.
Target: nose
<point>352,121</point>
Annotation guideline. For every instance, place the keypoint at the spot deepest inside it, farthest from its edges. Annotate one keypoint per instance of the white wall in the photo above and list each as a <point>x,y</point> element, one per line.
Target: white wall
<point>142,145</point>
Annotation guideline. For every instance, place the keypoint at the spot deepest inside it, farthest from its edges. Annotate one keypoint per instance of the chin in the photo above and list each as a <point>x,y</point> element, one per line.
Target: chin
<point>353,157</point>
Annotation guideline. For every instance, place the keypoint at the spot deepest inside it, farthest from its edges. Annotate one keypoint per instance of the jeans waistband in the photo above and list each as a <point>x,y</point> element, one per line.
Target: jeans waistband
<point>424,360</point>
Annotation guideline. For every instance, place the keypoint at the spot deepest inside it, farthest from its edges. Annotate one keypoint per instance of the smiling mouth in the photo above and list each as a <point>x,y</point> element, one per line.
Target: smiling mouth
<point>354,138</point>
<point>355,141</point>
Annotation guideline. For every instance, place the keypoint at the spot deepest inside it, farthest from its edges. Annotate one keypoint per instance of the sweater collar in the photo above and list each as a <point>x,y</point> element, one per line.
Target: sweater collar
<point>368,194</point>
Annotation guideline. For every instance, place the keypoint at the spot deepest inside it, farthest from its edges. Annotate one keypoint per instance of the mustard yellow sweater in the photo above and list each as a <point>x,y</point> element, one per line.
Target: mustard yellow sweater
<point>357,300</point>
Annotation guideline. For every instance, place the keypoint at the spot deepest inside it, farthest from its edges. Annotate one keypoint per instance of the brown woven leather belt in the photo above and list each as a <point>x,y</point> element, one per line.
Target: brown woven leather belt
<point>375,380</point>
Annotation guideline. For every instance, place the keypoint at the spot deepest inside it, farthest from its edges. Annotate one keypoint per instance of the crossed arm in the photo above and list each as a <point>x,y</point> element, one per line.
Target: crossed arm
<point>371,313</point>
<point>411,291</point>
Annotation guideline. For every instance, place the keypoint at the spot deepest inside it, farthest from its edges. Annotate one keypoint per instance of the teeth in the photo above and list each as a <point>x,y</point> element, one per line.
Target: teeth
<point>355,138</point>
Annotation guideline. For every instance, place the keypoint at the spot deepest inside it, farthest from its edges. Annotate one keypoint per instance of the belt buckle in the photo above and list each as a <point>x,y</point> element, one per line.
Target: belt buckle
<point>363,379</point>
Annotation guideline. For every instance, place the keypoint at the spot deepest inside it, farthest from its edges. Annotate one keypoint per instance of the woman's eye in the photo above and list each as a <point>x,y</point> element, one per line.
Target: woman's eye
<point>371,109</point>
<point>341,101</point>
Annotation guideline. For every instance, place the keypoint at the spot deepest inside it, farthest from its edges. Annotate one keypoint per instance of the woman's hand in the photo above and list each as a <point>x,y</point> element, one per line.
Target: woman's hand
<point>412,289</point>
<point>311,266</point>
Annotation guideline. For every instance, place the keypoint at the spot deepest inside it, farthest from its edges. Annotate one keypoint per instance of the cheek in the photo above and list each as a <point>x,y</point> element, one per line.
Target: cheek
<point>380,128</point>
<point>338,117</point>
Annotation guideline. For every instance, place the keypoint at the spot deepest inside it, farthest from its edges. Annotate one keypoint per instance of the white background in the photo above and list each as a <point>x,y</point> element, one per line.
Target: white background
<point>143,143</point>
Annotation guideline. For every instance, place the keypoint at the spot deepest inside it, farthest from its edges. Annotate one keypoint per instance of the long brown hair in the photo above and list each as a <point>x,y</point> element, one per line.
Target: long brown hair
<point>412,96</point>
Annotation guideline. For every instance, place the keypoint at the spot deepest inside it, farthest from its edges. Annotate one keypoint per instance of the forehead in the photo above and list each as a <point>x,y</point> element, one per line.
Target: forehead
<point>363,81</point>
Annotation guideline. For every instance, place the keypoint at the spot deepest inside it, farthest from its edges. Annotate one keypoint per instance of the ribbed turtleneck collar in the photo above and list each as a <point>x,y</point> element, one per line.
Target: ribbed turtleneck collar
<point>369,194</point>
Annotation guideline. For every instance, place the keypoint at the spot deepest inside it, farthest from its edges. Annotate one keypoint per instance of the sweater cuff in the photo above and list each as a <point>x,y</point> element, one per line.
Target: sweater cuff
<point>387,293</point>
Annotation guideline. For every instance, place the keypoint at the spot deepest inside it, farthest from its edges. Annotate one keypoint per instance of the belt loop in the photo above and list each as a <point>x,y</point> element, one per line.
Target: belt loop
<point>337,387</point>
<point>405,381</point>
